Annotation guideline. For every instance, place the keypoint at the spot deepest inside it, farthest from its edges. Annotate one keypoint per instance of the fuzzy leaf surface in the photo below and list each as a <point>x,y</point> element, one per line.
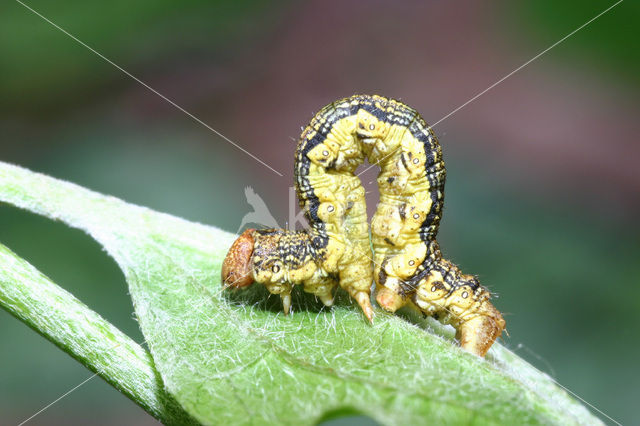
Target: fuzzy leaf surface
<point>234,358</point>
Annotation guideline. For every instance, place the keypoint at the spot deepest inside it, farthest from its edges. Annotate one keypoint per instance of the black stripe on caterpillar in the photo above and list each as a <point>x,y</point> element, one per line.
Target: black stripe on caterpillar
<point>407,265</point>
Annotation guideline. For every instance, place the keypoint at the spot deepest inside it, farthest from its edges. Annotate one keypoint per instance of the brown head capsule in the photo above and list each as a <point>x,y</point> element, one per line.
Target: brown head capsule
<point>236,271</point>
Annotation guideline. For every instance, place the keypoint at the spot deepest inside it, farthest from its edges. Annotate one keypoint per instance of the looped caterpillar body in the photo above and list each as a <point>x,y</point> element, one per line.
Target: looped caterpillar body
<point>407,265</point>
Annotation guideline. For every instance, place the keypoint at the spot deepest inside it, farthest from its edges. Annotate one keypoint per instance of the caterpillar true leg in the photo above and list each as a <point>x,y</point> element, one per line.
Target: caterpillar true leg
<point>407,264</point>
<point>286,301</point>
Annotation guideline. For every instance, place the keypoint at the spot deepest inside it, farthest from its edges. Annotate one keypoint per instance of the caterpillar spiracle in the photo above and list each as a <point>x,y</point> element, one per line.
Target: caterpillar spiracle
<point>407,264</point>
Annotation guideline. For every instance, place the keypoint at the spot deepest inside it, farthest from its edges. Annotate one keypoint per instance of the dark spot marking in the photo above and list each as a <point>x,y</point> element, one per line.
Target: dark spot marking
<point>438,285</point>
<point>404,161</point>
<point>402,209</point>
<point>382,275</point>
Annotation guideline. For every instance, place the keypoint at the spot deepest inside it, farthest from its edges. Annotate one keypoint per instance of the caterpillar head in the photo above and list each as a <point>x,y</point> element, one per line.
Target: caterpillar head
<point>236,268</point>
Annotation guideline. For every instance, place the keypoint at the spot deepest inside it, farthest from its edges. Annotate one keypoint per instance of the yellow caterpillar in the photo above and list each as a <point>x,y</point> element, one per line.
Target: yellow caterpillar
<point>407,265</point>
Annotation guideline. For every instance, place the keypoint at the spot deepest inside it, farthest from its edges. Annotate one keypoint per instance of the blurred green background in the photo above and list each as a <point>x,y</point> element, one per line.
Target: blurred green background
<point>543,191</point>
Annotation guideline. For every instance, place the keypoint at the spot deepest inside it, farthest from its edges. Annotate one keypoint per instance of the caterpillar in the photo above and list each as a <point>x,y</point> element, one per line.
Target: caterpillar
<point>407,265</point>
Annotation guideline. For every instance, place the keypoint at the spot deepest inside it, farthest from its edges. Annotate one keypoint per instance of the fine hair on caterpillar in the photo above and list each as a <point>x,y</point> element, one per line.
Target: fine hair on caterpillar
<point>406,263</point>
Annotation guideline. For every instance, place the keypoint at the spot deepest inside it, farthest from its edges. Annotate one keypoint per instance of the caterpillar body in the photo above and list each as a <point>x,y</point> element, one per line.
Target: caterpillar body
<point>407,264</point>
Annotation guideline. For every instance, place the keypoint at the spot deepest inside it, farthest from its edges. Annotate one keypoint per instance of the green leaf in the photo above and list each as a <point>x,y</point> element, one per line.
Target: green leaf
<point>234,358</point>
<point>73,327</point>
